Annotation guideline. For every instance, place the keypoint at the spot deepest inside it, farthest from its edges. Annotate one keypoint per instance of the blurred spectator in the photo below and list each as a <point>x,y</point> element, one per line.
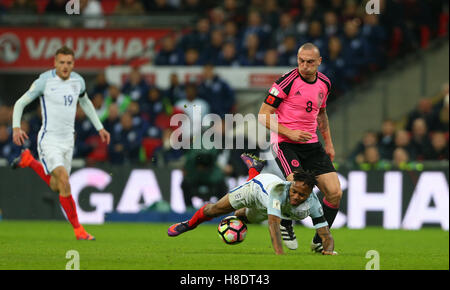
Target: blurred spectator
<point>129,7</point>
<point>255,5</point>
<point>176,90</point>
<point>92,9</point>
<point>315,35</point>
<point>334,66</point>
<point>403,140</point>
<point>370,139</point>
<point>7,148</point>
<point>352,10</point>
<point>99,105</point>
<point>214,48</point>
<point>354,49</point>
<point>217,18</point>
<point>420,139</point>
<point>400,158</point>
<point>112,117</point>
<point>192,104</point>
<point>271,58</point>
<point>308,13</point>
<point>152,105</point>
<point>386,139</point>
<point>83,130</point>
<point>192,57</point>
<point>197,39</point>
<point>440,117</point>
<point>100,85</point>
<point>285,28</point>
<point>135,111</point>
<point>376,38</point>
<point>156,6</point>
<point>228,56</point>
<point>439,147</point>
<point>371,160</point>
<point>219,95</point>
<point>256,27</point>
<point>288,52</point>
<point>23,7</point>
<point>125,141</point>
<point>234,11</point>
<point>136,86</point>
<point>168,54</point>
<point>251,55</point>
<point>232,33</point>
<point>331,24</point>
<point>271,13</point>
<point>194,6</point>
<point>115,97</point>
<point>337,6</point>
<point>202,178</point>
<point>5,115</point>
<point>2,9</point>
<point>56,7</point>
<point>423,110</point>
<point>35,123</point>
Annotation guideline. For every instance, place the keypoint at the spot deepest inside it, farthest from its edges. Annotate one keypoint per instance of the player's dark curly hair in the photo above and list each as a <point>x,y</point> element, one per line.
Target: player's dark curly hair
<point>308,177</point>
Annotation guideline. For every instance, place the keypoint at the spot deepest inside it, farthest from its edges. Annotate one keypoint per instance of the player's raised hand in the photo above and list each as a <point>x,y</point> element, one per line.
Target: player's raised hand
<point>19,136</point>
<point>300,136</point>
<point>104,135</point>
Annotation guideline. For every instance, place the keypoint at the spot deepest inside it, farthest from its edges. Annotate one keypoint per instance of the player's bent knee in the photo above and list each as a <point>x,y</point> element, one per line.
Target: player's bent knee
<point>334,197</point>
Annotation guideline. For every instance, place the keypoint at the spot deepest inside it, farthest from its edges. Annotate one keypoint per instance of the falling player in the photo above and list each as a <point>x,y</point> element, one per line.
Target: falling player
<point>59,91</point>
<point>266,196</point>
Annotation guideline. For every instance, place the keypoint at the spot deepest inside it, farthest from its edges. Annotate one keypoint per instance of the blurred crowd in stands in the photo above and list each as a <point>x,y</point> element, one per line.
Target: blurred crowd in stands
<point>423,135</point>
<point>261,33</point>
<point>353,44</point>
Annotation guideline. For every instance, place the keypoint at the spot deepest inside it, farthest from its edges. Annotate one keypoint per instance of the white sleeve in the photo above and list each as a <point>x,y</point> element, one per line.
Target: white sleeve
<point>36,90</point>
<point>89,109</point>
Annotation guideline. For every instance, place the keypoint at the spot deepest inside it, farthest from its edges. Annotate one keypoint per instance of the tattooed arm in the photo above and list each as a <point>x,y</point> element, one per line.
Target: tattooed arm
<point>327,240</point>
<point>324,128</point>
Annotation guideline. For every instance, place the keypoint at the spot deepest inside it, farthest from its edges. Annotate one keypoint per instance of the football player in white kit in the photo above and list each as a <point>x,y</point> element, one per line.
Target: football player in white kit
<point>266,196</point>
<point>59,91</point>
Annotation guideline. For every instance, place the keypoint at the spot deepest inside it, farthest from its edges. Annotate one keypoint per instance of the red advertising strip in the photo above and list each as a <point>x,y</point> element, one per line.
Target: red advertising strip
<point>24,48</point>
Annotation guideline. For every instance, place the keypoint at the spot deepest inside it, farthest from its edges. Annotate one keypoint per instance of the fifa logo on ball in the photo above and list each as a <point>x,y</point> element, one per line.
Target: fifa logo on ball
<point>73,7</point>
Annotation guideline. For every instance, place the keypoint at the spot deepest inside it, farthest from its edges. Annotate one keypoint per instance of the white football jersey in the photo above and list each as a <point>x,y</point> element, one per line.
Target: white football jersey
<point>273,194</point>
<point>58,100</point>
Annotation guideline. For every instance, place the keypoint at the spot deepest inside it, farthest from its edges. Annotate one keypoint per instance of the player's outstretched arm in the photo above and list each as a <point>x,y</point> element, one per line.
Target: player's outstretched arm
<point>327,240</point>
<point>275,234</point>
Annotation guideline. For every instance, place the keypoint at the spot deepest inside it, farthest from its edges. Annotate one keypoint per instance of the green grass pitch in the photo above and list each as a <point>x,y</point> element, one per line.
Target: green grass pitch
<point>43,245</point>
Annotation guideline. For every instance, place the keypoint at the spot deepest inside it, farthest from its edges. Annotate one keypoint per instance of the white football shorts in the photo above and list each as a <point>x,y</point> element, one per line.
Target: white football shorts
<point>248,196</point>
<point>55,152</point>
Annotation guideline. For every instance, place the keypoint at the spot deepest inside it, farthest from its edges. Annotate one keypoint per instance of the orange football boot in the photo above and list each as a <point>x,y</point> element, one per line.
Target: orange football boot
<point>23,160</point>
<point>81,234</point>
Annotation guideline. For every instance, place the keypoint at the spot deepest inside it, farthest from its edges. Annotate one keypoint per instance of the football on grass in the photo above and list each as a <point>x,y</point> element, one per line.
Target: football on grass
<point>232,230</point>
